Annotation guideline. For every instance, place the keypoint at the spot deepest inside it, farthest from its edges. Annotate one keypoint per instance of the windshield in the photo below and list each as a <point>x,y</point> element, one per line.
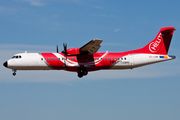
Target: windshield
<point>16,57</point>
<point>13,57</point>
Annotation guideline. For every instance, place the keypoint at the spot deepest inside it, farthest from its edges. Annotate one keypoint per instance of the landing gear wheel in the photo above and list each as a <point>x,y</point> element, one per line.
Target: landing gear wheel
<point>85,72</point>
<point>14,74</point>
<point>80,74</point>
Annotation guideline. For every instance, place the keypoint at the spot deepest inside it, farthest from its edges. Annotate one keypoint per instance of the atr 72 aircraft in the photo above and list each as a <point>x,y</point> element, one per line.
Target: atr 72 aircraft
<point>85,59</point>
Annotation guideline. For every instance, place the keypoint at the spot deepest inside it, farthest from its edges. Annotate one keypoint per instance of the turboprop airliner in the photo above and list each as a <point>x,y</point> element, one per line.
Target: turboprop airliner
<point>86,59</point>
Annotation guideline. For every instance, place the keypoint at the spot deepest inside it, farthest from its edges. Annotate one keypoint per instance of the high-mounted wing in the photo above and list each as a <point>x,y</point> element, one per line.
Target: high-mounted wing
<point>91,47</point>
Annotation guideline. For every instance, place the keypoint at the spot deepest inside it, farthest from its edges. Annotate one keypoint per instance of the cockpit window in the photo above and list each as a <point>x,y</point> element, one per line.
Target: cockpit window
<point>16,57</point>
<point>13,57</point>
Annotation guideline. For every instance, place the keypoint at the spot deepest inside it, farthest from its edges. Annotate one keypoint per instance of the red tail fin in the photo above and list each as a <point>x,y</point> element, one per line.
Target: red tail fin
<point>160,45</point>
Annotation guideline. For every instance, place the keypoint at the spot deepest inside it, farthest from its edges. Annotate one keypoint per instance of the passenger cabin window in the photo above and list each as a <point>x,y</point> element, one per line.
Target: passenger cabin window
<point>124,58</point>
<point>41,58</point>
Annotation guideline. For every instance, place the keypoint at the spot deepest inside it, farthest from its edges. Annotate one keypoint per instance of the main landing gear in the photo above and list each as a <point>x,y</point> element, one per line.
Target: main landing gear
<point>82,73</point>
<point>14,72</point>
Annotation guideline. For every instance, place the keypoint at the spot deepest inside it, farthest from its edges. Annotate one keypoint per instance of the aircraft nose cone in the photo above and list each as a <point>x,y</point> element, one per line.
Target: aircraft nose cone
<point>5,64</point>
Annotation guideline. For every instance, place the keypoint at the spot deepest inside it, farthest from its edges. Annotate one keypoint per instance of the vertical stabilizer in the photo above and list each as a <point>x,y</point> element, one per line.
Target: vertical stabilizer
<point>160,45</point>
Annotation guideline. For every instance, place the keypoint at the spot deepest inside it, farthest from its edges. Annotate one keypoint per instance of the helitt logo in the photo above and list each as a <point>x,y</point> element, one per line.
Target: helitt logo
<point>153,46</point>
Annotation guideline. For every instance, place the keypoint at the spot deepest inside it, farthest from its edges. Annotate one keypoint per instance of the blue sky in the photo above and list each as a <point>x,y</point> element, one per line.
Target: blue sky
<point>149,92</point>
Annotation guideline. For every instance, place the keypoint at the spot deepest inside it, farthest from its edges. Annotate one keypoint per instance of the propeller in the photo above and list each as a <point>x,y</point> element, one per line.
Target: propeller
<point>65,52</point>
<point>57,49</point>
<point>65,48</point>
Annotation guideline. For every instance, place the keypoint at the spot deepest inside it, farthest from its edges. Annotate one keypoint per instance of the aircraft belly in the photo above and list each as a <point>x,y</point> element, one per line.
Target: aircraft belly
<point>31,68</point>
<point>121,65</point>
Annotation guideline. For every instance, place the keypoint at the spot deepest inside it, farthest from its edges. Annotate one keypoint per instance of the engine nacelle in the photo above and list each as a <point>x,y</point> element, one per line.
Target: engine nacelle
<point>73,51</point>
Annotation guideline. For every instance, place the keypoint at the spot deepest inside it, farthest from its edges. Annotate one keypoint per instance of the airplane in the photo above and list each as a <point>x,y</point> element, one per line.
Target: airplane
<point>86,59</point>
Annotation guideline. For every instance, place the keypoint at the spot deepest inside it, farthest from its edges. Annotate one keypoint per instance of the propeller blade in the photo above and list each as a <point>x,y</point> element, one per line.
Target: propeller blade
<point>65,48</point>
<point>57,49</point>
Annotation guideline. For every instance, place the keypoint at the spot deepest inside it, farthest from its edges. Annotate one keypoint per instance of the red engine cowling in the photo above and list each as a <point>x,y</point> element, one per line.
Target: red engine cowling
<point>73,51</point>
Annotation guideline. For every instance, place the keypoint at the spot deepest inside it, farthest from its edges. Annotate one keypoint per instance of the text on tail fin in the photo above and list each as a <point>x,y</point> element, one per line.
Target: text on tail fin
<point>154,46</point>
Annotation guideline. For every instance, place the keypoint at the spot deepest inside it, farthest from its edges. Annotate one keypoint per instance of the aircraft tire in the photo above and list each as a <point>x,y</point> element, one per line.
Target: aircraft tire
<point>80,74</point>
<point>14,74</point>
<point>85,72</point>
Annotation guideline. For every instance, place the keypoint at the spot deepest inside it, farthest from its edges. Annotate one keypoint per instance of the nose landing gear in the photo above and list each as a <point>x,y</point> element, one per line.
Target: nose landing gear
<point>14,72</point>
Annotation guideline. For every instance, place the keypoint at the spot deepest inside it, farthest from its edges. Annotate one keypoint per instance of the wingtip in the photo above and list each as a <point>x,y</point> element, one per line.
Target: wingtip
<point>97,39</point>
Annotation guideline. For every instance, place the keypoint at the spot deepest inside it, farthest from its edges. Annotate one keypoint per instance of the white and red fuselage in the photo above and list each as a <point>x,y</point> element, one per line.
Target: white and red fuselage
<point>154,52</point>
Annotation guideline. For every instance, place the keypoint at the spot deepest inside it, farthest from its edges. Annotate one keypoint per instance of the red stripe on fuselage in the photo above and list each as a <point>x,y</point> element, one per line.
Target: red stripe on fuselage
<point>84,60</point>
<point>53,61</point>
